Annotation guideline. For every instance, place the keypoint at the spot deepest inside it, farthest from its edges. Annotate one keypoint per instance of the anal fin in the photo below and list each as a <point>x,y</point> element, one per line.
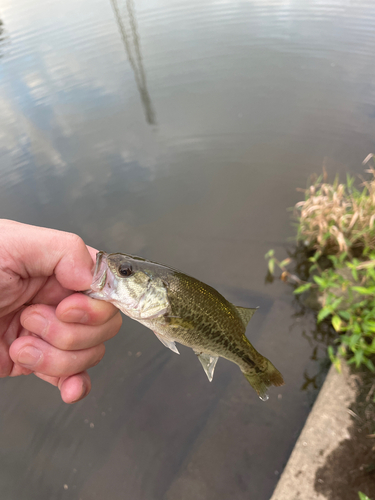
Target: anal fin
<point>168,343</point>
<point>208,362</point>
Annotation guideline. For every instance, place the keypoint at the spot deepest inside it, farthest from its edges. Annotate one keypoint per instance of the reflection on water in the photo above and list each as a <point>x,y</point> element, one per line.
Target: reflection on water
<point>250,98</point>
<point>128,28</point>
<point>2,37</point>
<point>318,335</point>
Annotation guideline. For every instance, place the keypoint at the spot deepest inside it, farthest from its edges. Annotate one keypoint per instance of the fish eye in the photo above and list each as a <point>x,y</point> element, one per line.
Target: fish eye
<point>125,270</point>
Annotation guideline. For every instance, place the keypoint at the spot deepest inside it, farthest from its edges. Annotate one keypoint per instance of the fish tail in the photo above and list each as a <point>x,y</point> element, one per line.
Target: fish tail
<point>263,379</point>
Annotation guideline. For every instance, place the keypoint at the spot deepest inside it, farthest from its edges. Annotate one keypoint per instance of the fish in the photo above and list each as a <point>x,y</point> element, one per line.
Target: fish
<point>179,308</point>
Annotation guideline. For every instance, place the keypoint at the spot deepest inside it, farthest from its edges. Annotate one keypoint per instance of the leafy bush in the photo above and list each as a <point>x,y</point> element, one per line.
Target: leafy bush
<point>338,221</point>
<point>347,296</point>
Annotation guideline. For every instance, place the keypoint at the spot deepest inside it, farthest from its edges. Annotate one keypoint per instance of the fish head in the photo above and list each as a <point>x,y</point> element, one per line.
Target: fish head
<point>132,284</point>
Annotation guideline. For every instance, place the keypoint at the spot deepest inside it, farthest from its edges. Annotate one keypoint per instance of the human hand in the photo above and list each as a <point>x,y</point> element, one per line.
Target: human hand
<point>45,327</point>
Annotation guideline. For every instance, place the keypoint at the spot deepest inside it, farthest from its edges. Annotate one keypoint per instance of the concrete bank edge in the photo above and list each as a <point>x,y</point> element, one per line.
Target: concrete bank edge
<point>326,426</point>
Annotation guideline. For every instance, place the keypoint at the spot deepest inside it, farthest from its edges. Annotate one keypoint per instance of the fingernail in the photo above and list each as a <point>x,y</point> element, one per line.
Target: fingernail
<point>76,316</point>
<point>29,356</point>
<point>36,323</point>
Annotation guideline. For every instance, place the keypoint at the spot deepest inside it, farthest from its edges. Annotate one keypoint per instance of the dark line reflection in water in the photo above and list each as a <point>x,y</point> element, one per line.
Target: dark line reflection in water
<point>129,33</point>
<point>2,36</point>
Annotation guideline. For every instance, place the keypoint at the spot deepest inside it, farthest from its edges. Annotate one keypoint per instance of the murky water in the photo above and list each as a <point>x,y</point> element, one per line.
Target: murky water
<point>179,131</point>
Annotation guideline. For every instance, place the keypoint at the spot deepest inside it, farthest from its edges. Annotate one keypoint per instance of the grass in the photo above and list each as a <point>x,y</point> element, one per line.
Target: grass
<point>336,224</point>
<point>336,218</point>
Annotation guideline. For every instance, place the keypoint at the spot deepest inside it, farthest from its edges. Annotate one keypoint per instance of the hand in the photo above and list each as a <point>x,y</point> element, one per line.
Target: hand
<point>45,327</point>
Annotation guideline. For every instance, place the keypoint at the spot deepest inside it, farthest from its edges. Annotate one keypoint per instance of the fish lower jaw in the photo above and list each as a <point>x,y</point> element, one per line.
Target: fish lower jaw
<point>126,309</point>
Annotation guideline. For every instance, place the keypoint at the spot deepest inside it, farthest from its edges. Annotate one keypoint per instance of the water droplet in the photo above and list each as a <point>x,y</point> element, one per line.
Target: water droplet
<point>264,397</point>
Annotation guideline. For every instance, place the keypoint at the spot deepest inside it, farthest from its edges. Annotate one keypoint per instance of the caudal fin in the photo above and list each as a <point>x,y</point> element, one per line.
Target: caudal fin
<point>262,380</point>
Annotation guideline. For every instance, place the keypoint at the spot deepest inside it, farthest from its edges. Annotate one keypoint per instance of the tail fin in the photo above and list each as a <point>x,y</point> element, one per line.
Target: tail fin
<point>262,380</point>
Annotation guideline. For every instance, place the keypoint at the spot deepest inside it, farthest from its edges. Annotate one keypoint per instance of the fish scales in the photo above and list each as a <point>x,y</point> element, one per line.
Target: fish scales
<point>218,328</point>
<point>180,308</point>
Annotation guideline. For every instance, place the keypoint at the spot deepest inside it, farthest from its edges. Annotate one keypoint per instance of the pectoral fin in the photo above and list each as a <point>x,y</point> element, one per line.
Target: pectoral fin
<point>208,363</point>
<point>168,343</point>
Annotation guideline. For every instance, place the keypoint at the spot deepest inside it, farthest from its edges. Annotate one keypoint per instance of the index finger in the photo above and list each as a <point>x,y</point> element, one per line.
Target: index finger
<point>96,312</point>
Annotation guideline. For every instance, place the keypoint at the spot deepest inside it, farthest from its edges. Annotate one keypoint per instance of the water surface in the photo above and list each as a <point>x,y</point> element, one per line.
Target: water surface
<point>179,131</point>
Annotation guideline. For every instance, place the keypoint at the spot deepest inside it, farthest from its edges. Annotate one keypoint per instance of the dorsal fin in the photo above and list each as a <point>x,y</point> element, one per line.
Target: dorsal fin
<point>246,313</point>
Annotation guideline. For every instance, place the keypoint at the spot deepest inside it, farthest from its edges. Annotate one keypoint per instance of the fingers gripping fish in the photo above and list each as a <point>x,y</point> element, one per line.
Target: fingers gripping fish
<point>179,308</point>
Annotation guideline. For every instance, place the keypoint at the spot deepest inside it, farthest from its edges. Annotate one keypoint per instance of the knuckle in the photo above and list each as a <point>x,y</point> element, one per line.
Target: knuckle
<point>99,355</point>
<point>66,341</point>
<point>75,240</point>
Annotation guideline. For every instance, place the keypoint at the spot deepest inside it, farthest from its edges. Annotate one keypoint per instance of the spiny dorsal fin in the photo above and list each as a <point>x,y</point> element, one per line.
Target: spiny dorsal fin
<point>246,313</point>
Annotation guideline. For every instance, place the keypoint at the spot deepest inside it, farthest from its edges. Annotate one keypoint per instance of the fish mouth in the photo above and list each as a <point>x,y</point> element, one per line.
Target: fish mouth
<point>100,273</point>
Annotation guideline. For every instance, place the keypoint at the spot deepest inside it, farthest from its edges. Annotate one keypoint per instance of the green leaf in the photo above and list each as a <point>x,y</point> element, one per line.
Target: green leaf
<point>370,364</point>
<point>364,291</point>
<point>358,356</point>
<point>337,302</point>
<point>336,322</point>
<point>271,265</point>
<point>323,313</point>
<point>369,326</point>
<point>331,354</point>
<point>334,359</point>
<point>316,256</point>
<point>362,496</point>
<point>345,315</point>
<point>343,256</point>
<point>320,281</point>
<point>355,274</point>
<point>302,288</point>
<point>353,340</point>
<point>285,262</point>
<point>269,254</point>
<point>349,181</point>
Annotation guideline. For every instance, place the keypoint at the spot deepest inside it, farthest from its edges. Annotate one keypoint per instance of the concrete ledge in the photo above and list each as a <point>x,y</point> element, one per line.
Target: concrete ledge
<point>326,426</point>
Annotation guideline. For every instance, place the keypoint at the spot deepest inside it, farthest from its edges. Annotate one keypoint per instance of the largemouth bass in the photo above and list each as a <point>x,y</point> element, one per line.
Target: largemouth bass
<point>179,308</point>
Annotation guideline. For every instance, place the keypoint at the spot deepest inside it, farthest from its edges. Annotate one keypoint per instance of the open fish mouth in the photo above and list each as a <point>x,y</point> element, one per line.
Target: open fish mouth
<point>100,273</point>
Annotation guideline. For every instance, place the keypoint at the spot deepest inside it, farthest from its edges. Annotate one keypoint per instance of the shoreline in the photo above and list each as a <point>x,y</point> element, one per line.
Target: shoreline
<point>326,427</point>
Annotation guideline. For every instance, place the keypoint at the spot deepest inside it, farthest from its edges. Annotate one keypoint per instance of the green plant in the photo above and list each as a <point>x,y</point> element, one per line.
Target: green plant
<point>362,496</point>
<point>338,221</point>
<point>347,297</point>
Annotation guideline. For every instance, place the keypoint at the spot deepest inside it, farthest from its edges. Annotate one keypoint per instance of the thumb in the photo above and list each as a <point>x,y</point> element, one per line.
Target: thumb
<point>32,251</point>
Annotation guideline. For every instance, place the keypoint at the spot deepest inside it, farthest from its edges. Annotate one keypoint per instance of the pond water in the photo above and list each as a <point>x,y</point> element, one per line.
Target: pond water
<point>179,131</point>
